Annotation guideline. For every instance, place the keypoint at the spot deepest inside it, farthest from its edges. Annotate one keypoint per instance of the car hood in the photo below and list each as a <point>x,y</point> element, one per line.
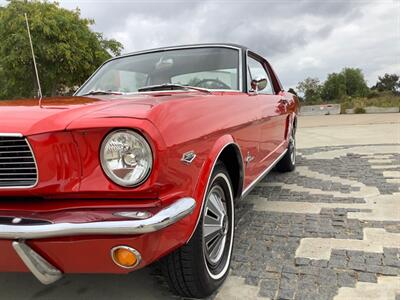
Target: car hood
<point>55,114</point>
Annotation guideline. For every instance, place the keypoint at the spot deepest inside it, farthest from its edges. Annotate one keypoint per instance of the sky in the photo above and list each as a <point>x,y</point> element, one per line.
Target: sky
<point>300,38</point>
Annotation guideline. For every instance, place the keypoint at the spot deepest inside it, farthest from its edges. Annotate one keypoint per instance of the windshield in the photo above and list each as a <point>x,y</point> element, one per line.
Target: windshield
<point>211,68</point>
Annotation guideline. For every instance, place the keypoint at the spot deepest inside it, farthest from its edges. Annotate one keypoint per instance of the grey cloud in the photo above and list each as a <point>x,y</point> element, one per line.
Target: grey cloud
<point>304,37</point>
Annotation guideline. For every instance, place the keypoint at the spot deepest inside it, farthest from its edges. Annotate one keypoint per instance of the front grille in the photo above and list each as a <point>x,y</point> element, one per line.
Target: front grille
<point>17,164</point>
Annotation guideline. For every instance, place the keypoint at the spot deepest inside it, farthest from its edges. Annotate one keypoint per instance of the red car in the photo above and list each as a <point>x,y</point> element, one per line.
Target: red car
<point>144,163</point>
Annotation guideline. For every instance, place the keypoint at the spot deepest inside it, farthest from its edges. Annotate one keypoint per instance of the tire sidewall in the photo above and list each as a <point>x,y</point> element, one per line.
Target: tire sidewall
<point>209,280</point>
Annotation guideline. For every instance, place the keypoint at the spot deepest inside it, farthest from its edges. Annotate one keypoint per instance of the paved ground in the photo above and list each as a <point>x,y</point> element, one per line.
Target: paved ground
<point>329,230</point>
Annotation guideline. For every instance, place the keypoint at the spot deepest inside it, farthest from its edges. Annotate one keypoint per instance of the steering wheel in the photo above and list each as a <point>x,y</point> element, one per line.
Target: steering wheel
<point>213,84</point>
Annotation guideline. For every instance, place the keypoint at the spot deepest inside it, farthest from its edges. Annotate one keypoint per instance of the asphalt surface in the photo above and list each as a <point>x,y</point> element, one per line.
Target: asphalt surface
<point>329,230</point>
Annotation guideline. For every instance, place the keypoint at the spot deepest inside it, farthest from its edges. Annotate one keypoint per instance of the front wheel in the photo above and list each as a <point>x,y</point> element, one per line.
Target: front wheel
<point>198,268</point>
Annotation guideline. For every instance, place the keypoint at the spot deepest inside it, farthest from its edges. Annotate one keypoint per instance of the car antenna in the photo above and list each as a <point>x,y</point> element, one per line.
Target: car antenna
<point>34,62</point>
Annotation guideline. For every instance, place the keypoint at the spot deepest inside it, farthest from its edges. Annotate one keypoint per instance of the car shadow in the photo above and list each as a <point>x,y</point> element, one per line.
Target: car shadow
<point>142,284</point>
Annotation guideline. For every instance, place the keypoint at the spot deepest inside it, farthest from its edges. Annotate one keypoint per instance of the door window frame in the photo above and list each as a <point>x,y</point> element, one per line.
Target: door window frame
<point>276,86</point>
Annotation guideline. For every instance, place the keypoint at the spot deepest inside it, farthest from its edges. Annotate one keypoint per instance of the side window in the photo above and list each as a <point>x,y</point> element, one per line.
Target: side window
<point>256,70</point>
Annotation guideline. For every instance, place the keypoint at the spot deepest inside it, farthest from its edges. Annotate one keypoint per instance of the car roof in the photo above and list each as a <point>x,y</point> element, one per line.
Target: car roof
<point>229,45</point>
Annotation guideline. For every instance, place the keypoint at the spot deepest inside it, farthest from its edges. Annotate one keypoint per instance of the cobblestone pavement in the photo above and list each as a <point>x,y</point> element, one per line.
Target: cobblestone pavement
<point>328,230</point>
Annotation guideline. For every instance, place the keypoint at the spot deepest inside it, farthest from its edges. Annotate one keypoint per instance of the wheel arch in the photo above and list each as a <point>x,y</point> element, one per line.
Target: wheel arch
<point>226,150</point>
<point>231,157</point>
<point>291,124</point>
<point>295,122</point>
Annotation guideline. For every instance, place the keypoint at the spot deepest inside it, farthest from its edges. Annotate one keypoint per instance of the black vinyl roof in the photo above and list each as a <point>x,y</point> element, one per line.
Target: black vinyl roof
<point>243,48</point>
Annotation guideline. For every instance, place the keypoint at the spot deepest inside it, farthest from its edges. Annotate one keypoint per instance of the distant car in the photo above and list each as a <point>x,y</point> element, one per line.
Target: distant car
<point>144,163</point>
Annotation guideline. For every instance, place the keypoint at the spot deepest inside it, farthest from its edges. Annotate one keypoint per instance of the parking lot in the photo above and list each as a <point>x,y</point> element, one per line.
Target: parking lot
<point>328,230</point>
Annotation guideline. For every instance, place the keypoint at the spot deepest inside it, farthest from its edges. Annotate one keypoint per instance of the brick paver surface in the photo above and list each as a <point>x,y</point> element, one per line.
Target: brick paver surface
<point>339,198</point>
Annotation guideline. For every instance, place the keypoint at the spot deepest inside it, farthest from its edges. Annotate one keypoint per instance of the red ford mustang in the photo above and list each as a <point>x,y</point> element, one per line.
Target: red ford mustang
<point>144,163</point>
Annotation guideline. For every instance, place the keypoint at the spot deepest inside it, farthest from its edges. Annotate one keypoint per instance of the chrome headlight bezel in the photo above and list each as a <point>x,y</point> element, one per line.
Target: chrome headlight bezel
<point>109,173</point>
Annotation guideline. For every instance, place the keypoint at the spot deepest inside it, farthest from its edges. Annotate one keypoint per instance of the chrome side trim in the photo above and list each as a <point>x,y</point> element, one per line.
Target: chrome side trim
<point>166,217</point>
<point>261,176</point>
<point>45,272</point>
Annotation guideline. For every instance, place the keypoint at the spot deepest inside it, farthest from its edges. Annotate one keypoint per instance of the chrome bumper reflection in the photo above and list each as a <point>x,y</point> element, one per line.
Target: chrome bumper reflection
<point>166,217</point>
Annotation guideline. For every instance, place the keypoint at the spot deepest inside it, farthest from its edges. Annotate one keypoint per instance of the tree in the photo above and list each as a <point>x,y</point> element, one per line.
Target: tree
<point>356,85</point>
<point>334,87</point>
<point>311,89</point>
<point>389,82</point>
<point>67,51</point>
<point>349,82</point>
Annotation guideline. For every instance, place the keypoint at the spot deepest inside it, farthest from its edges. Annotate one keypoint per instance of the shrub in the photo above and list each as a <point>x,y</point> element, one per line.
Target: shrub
<point>372,94</point>
<point>359,110</point>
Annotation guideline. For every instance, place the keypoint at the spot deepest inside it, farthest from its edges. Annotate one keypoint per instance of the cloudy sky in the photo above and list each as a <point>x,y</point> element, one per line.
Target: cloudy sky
<point>299,38</point>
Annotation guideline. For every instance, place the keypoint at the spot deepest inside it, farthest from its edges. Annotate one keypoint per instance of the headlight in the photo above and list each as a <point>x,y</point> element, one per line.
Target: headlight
<point>126,157</point>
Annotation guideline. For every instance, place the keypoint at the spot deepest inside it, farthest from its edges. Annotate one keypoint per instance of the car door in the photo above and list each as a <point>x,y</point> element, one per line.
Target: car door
<point>273,112</point>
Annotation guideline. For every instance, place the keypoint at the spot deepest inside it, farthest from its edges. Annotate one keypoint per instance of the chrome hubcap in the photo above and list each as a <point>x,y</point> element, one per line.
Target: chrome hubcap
<point>215,225</point>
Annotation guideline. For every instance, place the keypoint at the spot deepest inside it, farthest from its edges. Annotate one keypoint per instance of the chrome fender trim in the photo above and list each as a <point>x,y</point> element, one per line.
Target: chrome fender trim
<point>164,218</point>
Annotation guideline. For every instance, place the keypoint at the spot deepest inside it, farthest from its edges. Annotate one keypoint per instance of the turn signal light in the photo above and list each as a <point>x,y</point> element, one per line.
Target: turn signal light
<point>125,257</point>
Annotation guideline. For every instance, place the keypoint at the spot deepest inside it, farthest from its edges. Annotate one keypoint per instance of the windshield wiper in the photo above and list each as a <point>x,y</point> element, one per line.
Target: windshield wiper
<point>171,87</point>
<point>101,92</point>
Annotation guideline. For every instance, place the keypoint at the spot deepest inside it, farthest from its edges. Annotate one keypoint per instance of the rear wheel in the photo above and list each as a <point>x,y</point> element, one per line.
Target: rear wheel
<point>198,268</point>
<point>288,161</point>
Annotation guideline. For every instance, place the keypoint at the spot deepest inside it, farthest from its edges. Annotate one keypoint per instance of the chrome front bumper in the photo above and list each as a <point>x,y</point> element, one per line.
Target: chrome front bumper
<point>47,273</point>
<point>167,216</point>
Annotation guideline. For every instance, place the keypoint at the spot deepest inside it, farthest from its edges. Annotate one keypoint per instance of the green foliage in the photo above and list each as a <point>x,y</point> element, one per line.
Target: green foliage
<point>388,82</point>
<point>356,85</point>
<point>334,87</point>
<point>359,110</point>
<point>382,99</point>
<point>372,94</point>
<point>350,90</point>
<point>67,51</point>
<point>311,88</point>
<point>349,82</point>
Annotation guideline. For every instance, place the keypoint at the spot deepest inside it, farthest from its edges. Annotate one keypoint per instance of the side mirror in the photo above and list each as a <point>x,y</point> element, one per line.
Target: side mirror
<point>258,84</point>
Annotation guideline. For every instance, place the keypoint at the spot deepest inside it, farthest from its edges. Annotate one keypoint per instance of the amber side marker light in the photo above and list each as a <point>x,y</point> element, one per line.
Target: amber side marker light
<point>125,257</point>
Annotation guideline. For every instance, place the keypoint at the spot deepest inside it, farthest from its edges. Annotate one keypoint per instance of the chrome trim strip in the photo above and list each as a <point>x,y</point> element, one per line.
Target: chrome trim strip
<point>175,48</point>
<point>45,272</point>
<point>11,134</point>
<point>19,135</point>
<point>166,217</point>
<point>261,176</point>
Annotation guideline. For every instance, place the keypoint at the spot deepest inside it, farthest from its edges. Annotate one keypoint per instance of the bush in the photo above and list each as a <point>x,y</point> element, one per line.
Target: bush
<point>359,110</point>
<point>372,94</point>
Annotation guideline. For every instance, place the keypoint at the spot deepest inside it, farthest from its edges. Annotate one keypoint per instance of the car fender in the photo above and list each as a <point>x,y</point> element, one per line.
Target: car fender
<point>205,176</point>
